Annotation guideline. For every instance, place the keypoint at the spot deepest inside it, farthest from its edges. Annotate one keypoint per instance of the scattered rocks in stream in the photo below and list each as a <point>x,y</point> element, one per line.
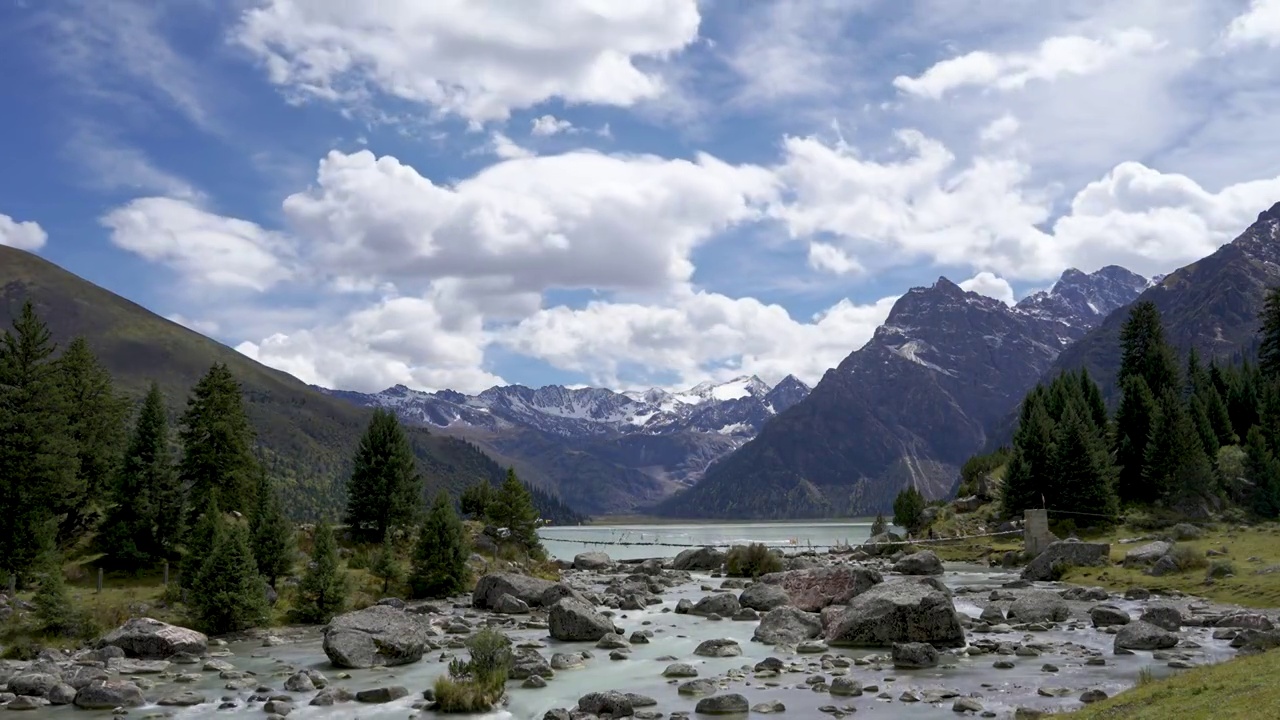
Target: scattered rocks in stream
<point>377,635</point>
<point>894,612</point>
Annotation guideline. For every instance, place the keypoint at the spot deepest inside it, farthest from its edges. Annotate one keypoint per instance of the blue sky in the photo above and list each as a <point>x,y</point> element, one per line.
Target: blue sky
<point>458,194</point>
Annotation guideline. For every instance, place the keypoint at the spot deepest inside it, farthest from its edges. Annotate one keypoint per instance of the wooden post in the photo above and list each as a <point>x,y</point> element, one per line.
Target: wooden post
<point>13,584</point>
<point>99,581</point>
<point>166,573</point>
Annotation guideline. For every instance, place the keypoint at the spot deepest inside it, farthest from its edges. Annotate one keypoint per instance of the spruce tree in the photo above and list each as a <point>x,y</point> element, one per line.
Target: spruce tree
<point>97,415</point>
<point>322,593</point>
<point>1081,478</point>
<point>205,534</point>
<point>228,593</point>
<point>217,444</point>
<point>1176,464</point>
<point>475,500</point>
<point>512,508</point>
<point>38,462</point>
<point>145,519</point>
<point>1132,432</point>
<point>1094,404</point>
<point>1243,393</point>
<point>440,555</point>
<point>1269,336</point>
<point>1262,470</point>
<point>385,489</point>
<point>386,566</point>
<point>1144,350</point>
<point>54,611</point>
<point>908,509</point>
<point>1029,462</point>
<point>1203,426</point>
<point>271,531</point>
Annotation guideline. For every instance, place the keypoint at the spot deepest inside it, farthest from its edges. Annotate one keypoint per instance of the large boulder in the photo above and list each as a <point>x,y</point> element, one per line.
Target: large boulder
<point>110,695</point>
<point>722,604</point>
<point>1107,615</point>
<point>573,620</point>
<point>592,561</point>
<point>763,597</point>
<point>1141,635</point>
<point>704,559</point>
<point>811,590</point>
<point>914,656</point>
<point>898,612</point>
<point>36,684</point>
<point>1039,607</point>
<point>787,626</point>
<point>490,589</point>
<point>1064,554</point>
<point>730,704</point>
<point>377,635</point>
<point>612,703</point>
<point>925,562</point>
<point>150,639</point>
<point>1147,555</point>
<point>1166,617</point>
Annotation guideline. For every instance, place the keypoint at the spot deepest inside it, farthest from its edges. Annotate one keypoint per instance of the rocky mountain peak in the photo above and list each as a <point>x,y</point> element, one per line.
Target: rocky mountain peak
<point>1271,215</point>
<point>1079,298</point>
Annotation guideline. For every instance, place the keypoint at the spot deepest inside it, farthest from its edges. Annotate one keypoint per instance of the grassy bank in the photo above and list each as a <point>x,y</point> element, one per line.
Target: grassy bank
<point>1241,688</point>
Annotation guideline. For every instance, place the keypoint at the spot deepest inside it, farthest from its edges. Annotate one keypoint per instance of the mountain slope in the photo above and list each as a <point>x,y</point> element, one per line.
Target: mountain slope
<point>305,437</point>
<point>609,451</point>
<point>1211,304</point>
<point>907,408</point>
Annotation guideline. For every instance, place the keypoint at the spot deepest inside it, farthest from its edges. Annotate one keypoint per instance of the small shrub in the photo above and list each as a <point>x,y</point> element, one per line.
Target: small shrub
<point>1187,558</point>
<point>464,696</point>
<point>1145,676</point>
<point>22,648</point>
<point>1220,569</point>
<point>752,561</point>
<point>361,558</point>
<point>476,684</point>
<point>490,654</point>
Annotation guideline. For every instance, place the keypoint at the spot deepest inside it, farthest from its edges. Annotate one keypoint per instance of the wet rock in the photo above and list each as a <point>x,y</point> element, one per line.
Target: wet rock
<point>718,648</point>
<point>377,635</point>
<point>299,682</point>
<point>1163,616</point>
<point>510,605</point>
<point>763,597</point>
<point>770,707</point>
<point>1137,593</point>
<point>722,604</point>
<point>814,589</point>
<point>1065,552</point>
<point>680,670</point>
<point>187,698</point>
<point>1147,555</point>
<point>110,694</point>
<point>992,615</point>
<point>684,606</point>
<point>612,641</point>
<point>277,708</point>
<point>1245,621</point>
<point>34,684</point>
<point>490,589</point>
<point>845,687</point>
<point>573,620</point>
<point>811,647</point>
<point>150,639</point>
<point>61,694</point>
<point>567,661</point>
<point>965,704</point>
<point>1039,607</point>
<point>914,655</point>
<point>613,703</point>
<point>703,559</point>
<point>382,694</point>
<point>1250,642</point>
<point>730,704</point>
<point>787,625</point>
<point>896,612</point>
<point>592,561</point>
<point>746,615</point>
<point>528,663</point>
<point>925,562</point>
<point>1144,636</point>
<point>1092,696</point>
<point>26,702</point>
<point>534,682</point>
<point>697,687</point>
<point>1090,594</point>
<point>1107,615</point>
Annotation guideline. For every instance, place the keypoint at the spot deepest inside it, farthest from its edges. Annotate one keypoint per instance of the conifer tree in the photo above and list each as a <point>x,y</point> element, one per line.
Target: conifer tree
<point>38,462</point>
<point>271,531</point>
<point>96,428</point>
<point>440,555</point>
<point>54,610</point>
<point>512,508</point>
<point>228,594</point>
<point>1262,470</point>
<point>1096,408</point>
<point>217,444</point>
<point>1132,432</point>
<point>1243,391</point>
<point>386,566</point>
<point>1145,351</point>
<point>145,519</point>
<point>475,500</point>
<point>1029,462</point>
<point>204,536</point>
<point>1082,477</point>
<point>1176,464</point>
<point>1269,336</point>
<point>322,593</point>
<point>385,489</point>
<point>880,526</point>
<point>1203,426</point>
<point>908,509</point>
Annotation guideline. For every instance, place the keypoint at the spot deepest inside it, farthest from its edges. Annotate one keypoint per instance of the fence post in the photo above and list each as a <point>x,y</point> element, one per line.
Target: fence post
<point>166,573</point>
<point>13,583</point>
<point>99,581</point>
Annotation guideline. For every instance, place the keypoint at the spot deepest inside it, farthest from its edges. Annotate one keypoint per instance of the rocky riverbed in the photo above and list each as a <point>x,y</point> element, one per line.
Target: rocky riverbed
<point>829,637</point>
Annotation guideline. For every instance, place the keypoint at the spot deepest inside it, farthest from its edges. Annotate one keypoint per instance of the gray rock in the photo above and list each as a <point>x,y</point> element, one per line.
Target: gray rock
<point>814,589</point>
<point>26,702</point>
<point>1164,566</point>
<point>110,694</point>
<point>382,694</point>
<point>277,708</point>
<point>1185,531</point>
<point>966,704</point>
<point>82,675</point>
<point>61,694</point>
<point>567,661</point>
<point>34,684</point>
<point>186,698</point>
<point>924,562</point>
<point>299,682</point>
<point>612,641</point>
<point>534,682</point>
<point>1147,555</point>
<point>509,605</point>
<point>787,626</point>
<point>377,635</point>
<point>680,670</point>
<point>528,663</point>
<point>1144,636</point>
<point>845,687</point>
<point>1092,696</point>
<point>1064,552</point>
<point>730,704</point>
<point>1246,621</point>
<point>703,559</point>
<point>763,597</point>
<point>575,621</point>
<point>490,589</point>
<point>614,703</point>
<point>1039,607</point>
<point>150,639</point>
<point>769,707</point>
<point>558,592</point>
<point>697,687</point>
<point>1107,615</point>
<point>898,612</point>
<point>914,656</point>
<point>684,606</point>
<point>592,561</point>
<point>992,615</point>
<point>722,604</point>
<point>720,647</point>
<point>1164,617</point>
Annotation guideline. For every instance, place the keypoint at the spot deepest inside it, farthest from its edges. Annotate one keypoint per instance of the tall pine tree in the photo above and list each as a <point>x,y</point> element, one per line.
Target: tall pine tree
<point>38,462</point>
<point>271,532</point>
<point>1132,432</point>
<point>1145,352</point>
<point>1262,470</point>
<point>1269,336</point>
<point>97,431</point>
<point>1031,458</point>
<point>203,537</point>
<point>1096,408</point>
<point>1082,478</point>
<point>385,489</point>
<point>512,508</point>
<point>1176,463</point>
<point>217,444</point>
<point>145,521</point>
<point>440,556</point>
<point>228,593</point>
<point>322,593</point>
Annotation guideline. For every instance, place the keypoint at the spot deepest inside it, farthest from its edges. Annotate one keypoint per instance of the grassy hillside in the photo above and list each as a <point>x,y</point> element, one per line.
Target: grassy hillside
<point>305,438</point>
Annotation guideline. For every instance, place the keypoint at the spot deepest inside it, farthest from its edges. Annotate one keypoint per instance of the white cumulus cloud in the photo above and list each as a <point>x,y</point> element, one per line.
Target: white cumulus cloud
<point>991,285</point>
<point>1260,24</point>
<point>24,235</point>
<point>550,125</point>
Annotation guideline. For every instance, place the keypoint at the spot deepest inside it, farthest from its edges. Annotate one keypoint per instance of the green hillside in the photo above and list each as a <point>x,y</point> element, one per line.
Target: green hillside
<point>304,437</point>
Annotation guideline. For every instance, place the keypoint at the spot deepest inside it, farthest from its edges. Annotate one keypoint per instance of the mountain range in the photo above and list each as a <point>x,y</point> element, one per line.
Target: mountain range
<point>610,451</point>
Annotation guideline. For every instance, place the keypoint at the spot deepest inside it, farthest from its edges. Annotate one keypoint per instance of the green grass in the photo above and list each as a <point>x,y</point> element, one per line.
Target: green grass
<point>1240,688</point>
